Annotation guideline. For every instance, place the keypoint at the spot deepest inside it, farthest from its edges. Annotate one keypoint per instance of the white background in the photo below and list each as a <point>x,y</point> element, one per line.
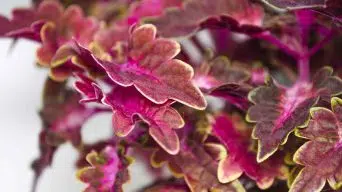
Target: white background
<point>20,98</point>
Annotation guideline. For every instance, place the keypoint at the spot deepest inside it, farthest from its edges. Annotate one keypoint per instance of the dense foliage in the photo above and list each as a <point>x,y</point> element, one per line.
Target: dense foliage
<point>229,95</point>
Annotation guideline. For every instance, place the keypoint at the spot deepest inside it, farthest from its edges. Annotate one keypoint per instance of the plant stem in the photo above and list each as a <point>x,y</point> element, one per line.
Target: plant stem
<point>275,41</point>
<point>304,68</point>
<point>302,57</point>
<point>320,44</point>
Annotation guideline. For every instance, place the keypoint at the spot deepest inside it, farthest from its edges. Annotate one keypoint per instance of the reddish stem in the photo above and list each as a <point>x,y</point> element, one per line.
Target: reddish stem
<point>304,68</point>
<point>275,41</point>
<point>321,44</point>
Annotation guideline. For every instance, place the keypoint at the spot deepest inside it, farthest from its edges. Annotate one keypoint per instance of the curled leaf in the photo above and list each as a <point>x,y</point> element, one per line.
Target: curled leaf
<point>162,119</point>
<point>234,94</point>
<point>87,87</point>
<point>128,105</point>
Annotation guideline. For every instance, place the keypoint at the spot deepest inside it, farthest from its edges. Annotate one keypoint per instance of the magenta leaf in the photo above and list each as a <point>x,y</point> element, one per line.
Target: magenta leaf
<point>81,57</point>
<point>62,117</point>
<point>234,94</point>
<point>150,68</point>
<point>322,155</point>
<point>198,167</point>
<point>72,24</point>
<point>31,33</point>
<point>21,18</point>
<point>87,87</point>
<point>153,72</point>
<point>103,174</point>
<point>241,16</point>
<point>109,38</point>
<point>127,104</point>
<point>278,110</point>
<point>52,25</point>
<point>162,119</point>
<point>236,138</point>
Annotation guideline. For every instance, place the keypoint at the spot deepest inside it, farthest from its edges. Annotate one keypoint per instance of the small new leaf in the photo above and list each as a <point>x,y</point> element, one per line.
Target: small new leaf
<point>102,174</point>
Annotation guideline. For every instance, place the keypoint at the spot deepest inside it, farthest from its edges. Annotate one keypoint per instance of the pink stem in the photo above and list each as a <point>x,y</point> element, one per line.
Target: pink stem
<point>275,41</point>
<point>320,44</point>
<point>304,68</point>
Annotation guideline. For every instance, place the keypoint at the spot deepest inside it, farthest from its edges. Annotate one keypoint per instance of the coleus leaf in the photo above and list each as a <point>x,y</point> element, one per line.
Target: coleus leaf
<point>31,33</point>
<point>80,56</point>
<point>278,110</point>
<point>88,148</point>
<point>44,160</point>
<point>153,72</point>
<point>329,8</point>
<point>127,104</point>
<point>62,115</point>
<point>62,119</point>
<point>103,174</point>
<point>109,38</point>
<point>218,72</point>
<point>228,80</point>
<point>235,94</point>
<point>285,5</point>
<point>235,135</point>
<point>162,119</point>
<point>89,88</point>
<point>167,184</point>
<point>198,167</point>
<point>52,26</point>
<point>21,18</point>
<point>240,16</point>
<point>71,24</point>
<point>149,8</point>
<point>151,69</point>
<point>322,155</point>
<point>168,188</point>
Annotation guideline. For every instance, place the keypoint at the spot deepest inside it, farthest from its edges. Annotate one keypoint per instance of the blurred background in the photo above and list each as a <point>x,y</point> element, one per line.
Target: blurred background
<point>21,83</point>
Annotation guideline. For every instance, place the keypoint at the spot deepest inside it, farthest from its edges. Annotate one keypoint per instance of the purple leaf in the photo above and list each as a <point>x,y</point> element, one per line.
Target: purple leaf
<point>241,16</point>
<point>127,104</point>
<point>278,110</point>
<point>322,155</point>
<point>235,135</point>
<point>63,118</point>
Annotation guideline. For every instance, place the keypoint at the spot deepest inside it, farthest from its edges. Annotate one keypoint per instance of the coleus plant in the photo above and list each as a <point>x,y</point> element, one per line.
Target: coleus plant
<point>212,89</point>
